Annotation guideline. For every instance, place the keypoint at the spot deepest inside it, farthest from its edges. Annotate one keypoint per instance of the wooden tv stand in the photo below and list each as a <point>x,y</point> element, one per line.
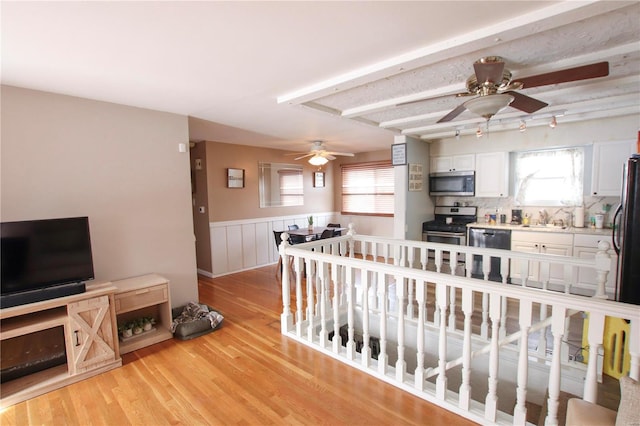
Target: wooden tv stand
<point>90,339</point>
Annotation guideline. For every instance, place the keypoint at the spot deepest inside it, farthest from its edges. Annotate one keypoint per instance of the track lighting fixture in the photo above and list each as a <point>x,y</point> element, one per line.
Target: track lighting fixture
<point>479,132</point>
<point>457,134</point>
<point>523,126</point>
<point>553,123</point>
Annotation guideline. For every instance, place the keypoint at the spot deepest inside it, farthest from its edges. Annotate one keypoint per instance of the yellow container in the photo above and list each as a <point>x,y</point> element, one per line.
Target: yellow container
<point>617,361</point>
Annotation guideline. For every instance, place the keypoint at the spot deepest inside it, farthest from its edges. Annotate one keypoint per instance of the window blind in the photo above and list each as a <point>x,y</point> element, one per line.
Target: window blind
<point>367,188</point>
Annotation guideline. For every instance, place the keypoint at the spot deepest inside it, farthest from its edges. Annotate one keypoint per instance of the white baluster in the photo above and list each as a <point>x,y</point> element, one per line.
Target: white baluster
<point>312,299</point>
<point>410,299</point>
<point>524,272</point>
<point>382,301</point>
<point>468,262</point>
<point>299,313</point>
<point>401,364</point>
<point>421,299</point>
<point>424,258</point>
<point>366,352</point>
<point>337,339</point>
<point>323,278</point>
<point>520,410</point>
<point>484,326</point>
<point>486,266</point>
<point>594,337</point>
<point>603,264</point>
<point>453,262</point>
<point>504,272</point>
<point>557,329</point>
<point>351,307</point>
<point>286,319</point>
<point>465,387</point>
<point>411,257</point>
<point>542,339</point>
<point>438,260</point>
<point>441,381</point>
<point>491,401</point>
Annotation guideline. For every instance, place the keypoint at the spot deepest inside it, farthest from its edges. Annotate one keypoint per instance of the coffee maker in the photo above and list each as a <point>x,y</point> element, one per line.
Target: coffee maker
<point>516,217</point>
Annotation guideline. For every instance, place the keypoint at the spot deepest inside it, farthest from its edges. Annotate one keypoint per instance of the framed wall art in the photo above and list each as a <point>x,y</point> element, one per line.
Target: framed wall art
<point>399,154</point>
<point>235,178</point>
<point>318,179</point>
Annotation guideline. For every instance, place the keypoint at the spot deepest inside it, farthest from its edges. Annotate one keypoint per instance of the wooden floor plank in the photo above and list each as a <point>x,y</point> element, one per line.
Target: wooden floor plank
<point>244,373</point>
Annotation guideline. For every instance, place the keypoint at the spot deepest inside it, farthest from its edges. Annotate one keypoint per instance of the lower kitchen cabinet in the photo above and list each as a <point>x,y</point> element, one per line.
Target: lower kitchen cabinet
<point>586,247</point>
<point>544,243</point>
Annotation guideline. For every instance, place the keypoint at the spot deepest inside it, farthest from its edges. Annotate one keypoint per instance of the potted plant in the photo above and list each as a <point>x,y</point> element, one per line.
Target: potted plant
<point>126,329</point>
<point>137,326</point>
<point>310,220</point>
<point>147,323</point>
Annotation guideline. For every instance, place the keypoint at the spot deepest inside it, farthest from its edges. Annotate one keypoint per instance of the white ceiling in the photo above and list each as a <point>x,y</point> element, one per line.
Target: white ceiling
<point>281,74</point>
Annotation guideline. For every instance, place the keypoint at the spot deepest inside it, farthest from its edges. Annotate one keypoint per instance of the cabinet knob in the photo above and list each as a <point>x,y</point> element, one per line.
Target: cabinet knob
<point>544,247</point>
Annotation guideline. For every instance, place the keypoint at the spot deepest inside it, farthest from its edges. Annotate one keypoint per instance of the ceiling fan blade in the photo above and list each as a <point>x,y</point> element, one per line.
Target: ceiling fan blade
<point>525,103</point>
<point>291,154</point>
<point>453,114</point>
<point>329,156</point>
<point>347,154</point>
<point>489,71</point>
<point>585,72</point>
<point>306,155</point>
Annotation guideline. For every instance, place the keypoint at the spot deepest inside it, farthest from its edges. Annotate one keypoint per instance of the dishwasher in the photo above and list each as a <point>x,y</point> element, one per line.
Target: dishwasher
<point>489,238</point>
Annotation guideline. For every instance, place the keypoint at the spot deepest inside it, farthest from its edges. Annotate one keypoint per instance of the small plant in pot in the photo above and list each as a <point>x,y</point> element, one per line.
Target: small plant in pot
<point>137,326</point>
<point>126,329</point>
<point>310,221</point>
<point>147,323</point>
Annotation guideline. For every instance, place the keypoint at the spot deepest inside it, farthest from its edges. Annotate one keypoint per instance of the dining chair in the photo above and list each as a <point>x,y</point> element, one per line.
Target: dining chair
<point>296,239</point>
<point>327,233</point>
<point>335,225</point>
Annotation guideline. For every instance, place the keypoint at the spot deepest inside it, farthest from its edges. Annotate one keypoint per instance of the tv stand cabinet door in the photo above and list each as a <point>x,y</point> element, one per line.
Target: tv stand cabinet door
<point>89,339</point>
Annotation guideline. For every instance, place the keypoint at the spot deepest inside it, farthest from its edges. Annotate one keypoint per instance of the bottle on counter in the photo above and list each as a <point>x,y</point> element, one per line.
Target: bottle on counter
<point>525,219</point>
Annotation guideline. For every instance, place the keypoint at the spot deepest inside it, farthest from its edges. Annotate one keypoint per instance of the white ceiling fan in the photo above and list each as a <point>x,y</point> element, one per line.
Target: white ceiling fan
<point>319,154</point>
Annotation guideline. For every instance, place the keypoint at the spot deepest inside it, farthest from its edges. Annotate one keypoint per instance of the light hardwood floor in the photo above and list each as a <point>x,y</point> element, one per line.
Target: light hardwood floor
<point>245,373</point>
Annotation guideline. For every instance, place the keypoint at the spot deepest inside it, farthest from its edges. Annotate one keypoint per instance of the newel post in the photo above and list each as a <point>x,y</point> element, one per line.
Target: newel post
<point>603,265</point>
<point>352,244</point>
<point>286,320</point>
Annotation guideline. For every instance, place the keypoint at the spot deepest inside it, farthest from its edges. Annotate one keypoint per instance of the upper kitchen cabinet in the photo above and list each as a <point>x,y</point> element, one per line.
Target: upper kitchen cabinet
<point>452,163</point>
<point>608,159</point>
<point>492,174</point>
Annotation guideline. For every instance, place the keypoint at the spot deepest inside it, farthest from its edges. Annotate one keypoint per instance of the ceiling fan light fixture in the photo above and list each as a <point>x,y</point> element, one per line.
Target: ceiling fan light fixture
<point>489,105</point>
<point>318,160</point>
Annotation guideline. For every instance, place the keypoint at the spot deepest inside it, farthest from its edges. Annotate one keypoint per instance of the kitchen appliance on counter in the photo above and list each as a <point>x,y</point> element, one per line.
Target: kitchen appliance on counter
<point>626,234</point>
<point>449,225</point>
<point>457,184</point>
<point>516,217</point>
<point>489,238</point>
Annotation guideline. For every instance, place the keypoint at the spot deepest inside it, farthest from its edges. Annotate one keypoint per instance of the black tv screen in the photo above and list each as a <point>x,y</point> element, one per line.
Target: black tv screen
<point>39,254</point>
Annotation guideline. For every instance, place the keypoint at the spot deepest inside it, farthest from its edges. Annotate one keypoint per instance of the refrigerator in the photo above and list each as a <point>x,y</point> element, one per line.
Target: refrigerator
<point>626,234</point>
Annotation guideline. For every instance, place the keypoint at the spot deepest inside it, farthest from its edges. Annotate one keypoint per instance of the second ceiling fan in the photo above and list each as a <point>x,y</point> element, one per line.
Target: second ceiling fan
<point>319,154</point>
<point>494,90</point>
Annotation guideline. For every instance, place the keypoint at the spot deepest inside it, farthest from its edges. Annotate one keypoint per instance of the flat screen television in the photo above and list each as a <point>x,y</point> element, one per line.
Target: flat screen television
<point>44,259</point>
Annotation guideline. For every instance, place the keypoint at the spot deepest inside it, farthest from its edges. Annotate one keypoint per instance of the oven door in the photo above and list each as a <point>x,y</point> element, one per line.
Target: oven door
<point>445,237</point>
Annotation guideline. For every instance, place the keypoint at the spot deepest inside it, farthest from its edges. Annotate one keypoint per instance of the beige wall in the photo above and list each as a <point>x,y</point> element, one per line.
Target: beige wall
<point>236,204</point>
<point>120,166</point>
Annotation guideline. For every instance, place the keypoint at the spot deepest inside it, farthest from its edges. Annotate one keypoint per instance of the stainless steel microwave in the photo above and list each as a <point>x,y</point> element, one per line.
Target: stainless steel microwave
<point>457,184</point>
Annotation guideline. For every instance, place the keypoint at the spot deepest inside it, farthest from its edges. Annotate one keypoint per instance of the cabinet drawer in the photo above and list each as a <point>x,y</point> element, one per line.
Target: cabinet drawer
<point>140,298</point>
<point>542,237</point>
<point>586,240</point>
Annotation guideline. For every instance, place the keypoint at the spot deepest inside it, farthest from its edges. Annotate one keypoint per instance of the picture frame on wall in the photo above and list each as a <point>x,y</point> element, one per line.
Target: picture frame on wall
<point>235,178</point>
<point>318,179</point>
<point>399,154</point>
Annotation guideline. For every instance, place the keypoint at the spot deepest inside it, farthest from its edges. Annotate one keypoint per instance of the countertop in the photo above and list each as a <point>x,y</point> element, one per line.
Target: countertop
<point>540,228</point>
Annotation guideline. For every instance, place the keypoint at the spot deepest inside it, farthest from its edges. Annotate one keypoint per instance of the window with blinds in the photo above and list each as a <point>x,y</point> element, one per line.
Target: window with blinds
<point>367,189</point>
<point>291,188</point>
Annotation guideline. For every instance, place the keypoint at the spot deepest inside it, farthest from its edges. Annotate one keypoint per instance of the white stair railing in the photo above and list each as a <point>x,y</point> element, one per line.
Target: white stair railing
<point>372,297</point>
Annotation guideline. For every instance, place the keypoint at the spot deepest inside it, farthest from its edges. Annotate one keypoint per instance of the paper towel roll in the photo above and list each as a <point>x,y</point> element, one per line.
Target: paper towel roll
<point>578,219</point>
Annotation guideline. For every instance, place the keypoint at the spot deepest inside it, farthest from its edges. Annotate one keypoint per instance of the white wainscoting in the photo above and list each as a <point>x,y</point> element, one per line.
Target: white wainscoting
<point>240,245</point>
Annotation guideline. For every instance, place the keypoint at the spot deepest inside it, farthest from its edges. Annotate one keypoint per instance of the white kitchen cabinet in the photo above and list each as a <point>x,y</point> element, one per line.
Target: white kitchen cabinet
<point>585,247</point>
<point>453,163</point>
<point>606,172</point>
<point>544,243</point>
<point>492,174</point>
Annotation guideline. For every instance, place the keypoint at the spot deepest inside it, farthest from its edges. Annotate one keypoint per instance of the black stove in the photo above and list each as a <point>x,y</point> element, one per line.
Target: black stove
<point>458,216</point>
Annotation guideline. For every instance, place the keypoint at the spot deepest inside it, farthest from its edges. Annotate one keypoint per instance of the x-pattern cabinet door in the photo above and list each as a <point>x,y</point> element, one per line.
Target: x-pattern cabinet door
<point>90,341</point>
